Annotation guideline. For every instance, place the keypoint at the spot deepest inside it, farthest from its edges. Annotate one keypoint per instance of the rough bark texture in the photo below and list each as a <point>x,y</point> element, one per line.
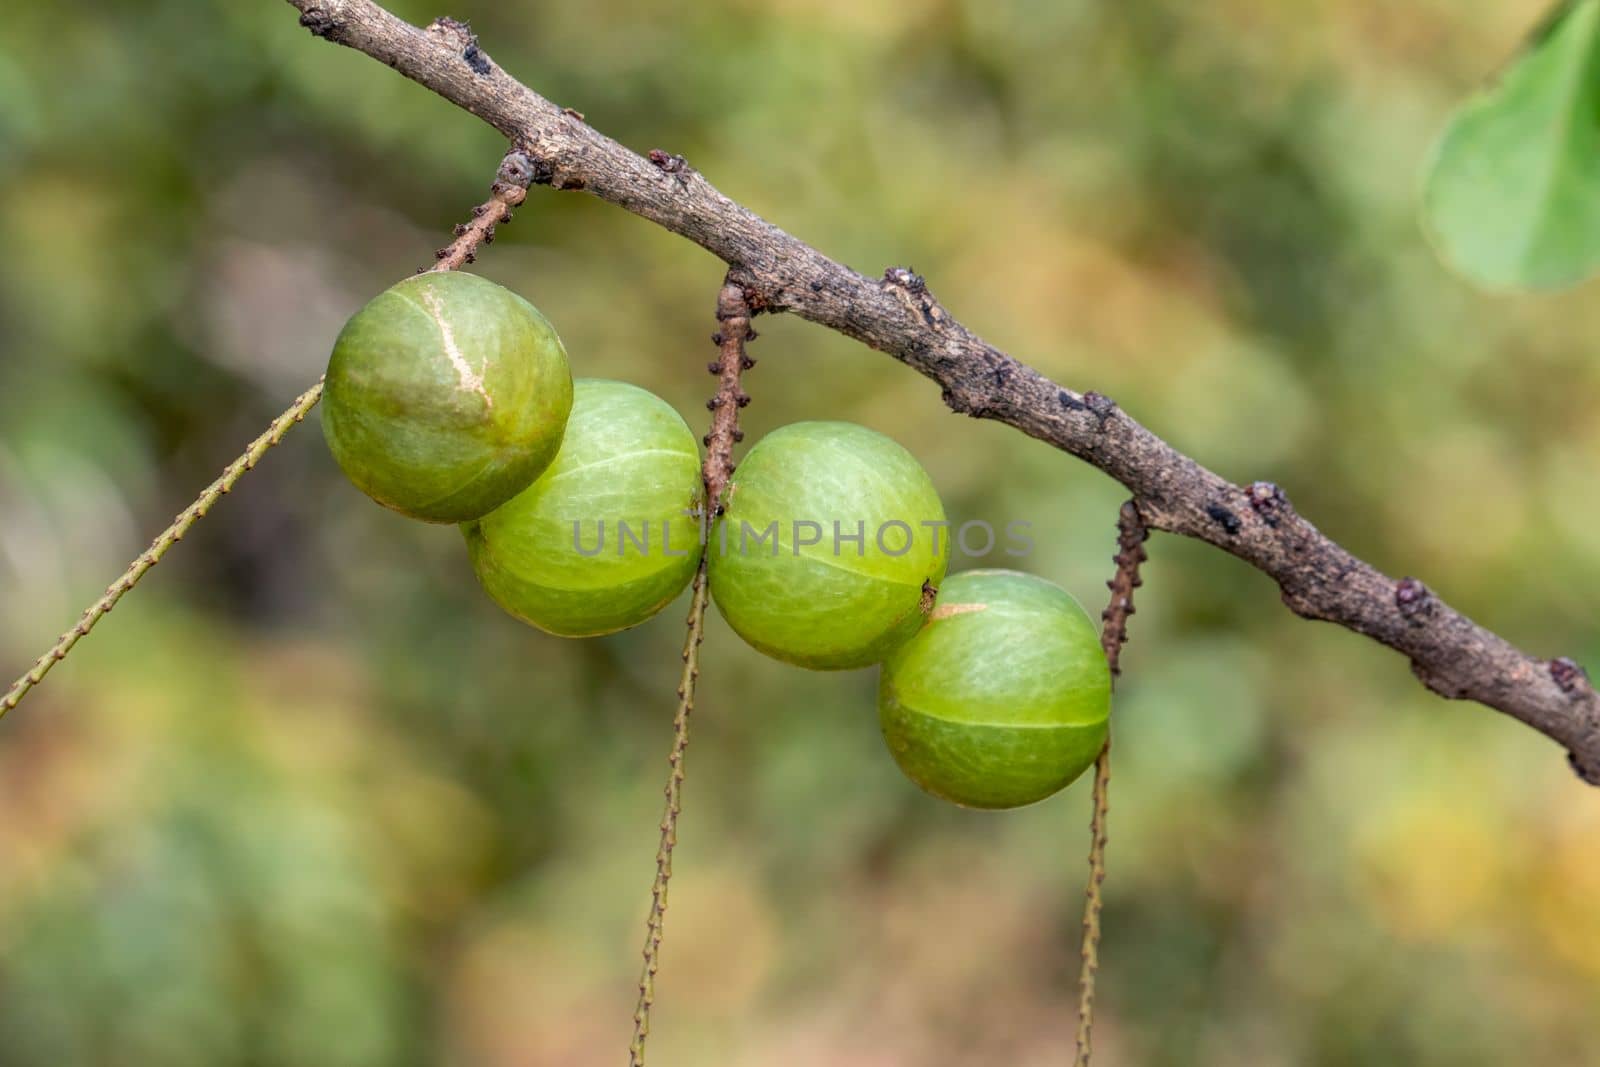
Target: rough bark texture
<point>733,331</point>
<point>897,314</point>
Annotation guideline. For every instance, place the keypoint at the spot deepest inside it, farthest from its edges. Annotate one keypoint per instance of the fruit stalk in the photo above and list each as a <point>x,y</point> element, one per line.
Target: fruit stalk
<point>1131,535</point>
<point>509,190</point>
<point>733,322</point>
<point>516,169</point>
<point>158,548</point>
<point>733,331</point>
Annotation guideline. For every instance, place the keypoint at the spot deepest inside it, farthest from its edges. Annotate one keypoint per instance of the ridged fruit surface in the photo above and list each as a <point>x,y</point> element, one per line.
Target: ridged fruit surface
<point>556,555</point>
<point>834,604</point>
<point>1004,697</point>
<point>446,396</point>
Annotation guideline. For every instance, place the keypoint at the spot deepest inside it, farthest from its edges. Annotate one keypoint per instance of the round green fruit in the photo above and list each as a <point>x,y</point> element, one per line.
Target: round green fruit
<point>829,537</point>
<point>446,396</point>
<point>608,535</point>
<point>1003,698</point>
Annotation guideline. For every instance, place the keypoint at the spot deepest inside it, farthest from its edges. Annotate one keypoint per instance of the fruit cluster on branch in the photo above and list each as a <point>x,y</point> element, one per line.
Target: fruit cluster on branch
<point>896,314</point>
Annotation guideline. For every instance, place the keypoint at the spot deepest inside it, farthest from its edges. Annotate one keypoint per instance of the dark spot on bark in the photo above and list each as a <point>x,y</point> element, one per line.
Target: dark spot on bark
<point>321,24</point>
<point>816,287</point>
<point>477,60</point>
<point>543,172</point>
<point>668,163</point>
<point>1268,501</point>
<point>905,278</point>
<point>1414,600</point>
<point>1001,374</point>
<point>1101,405</point>
<point>1224,518</point>
<point>1070,402</point>
<point>1572,678</point>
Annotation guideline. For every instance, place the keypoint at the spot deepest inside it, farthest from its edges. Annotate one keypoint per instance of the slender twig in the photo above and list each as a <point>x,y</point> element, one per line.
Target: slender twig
<point>896,314</point>
<point>733,331</point>
<point>158,548</point>
<point>669,818</point>
<point>1131,535</point>
<point>733,319</point>
<point>510,188</point>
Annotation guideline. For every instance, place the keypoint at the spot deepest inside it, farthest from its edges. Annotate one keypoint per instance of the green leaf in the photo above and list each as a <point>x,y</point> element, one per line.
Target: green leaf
<point>1513,194</point>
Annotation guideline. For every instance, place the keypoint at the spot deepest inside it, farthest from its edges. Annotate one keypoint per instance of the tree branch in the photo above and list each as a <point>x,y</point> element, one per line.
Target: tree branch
<point>896,314</point>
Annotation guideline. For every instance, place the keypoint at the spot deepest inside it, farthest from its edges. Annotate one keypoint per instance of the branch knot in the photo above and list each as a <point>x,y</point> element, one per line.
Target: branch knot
<point>1414,600</point>
<point>1268,501</point>
<point>912,289</point>
<point>322,23</point>
<point>1570,678</point>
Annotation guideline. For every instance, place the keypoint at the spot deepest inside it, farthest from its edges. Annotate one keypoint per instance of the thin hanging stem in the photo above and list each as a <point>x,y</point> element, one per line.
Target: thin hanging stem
<point>509,189</point>
<point>733,317</point>
<point>158,548</point>
<point>669,819</point>
<point>1131,535</point>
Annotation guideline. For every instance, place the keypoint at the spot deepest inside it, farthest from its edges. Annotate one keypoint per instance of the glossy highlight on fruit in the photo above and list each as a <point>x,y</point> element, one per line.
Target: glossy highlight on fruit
<point>1004,697</point>
<point>829,534</point>
<point>607,536</point>
<point>446,396</point>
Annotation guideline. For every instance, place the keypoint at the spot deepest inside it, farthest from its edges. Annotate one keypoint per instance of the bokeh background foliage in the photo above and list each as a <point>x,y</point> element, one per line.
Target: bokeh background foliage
<point>311,798</point>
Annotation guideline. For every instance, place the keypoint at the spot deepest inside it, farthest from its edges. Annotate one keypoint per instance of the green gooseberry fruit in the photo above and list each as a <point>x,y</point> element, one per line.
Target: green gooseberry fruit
<point>608,535</point>
<point>1003,698</point>
<point>446,396</point>
<point>830,535</point>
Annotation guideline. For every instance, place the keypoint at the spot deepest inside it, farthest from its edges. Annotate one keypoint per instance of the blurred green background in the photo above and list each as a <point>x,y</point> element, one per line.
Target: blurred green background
<point>310,798</point>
